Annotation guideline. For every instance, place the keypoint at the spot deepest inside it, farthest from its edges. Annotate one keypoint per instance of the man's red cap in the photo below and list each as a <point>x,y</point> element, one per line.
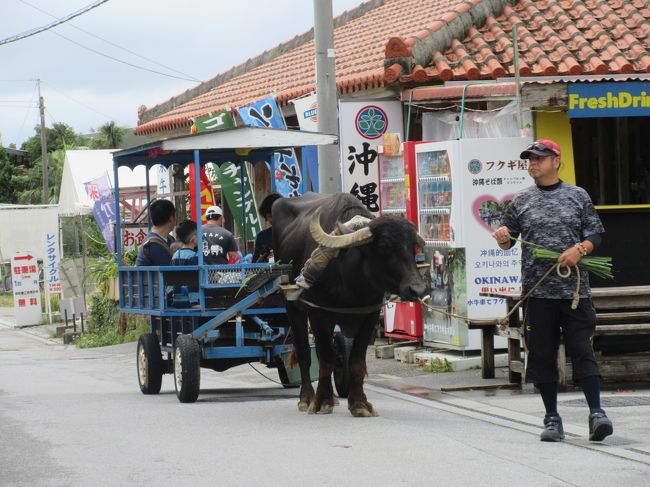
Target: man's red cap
<point>542,148</point>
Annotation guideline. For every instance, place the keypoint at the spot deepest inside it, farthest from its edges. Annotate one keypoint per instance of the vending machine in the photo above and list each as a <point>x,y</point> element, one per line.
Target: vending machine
<point>456,194</point>
<point>401,319</point>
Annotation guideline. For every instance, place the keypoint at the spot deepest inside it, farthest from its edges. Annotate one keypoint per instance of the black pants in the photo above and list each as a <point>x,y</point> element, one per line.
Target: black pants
<point>545,319</point>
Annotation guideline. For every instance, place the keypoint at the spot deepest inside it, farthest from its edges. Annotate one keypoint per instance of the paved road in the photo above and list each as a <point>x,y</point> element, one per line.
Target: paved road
<point>72,417</point>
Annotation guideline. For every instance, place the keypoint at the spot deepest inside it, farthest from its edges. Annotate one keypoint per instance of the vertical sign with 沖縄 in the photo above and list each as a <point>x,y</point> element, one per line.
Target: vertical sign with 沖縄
<point>51,280</point>
<point>27,293</point>
<point>286,174</point>
<point>361,125</point>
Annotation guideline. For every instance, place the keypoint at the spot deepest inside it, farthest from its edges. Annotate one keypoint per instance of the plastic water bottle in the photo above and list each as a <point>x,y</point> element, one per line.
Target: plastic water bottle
<point>271,257</point>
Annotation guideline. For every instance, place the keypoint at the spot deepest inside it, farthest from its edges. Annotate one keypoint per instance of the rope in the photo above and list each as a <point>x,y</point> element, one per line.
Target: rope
<point>265,376</point>
<point>501,321</point>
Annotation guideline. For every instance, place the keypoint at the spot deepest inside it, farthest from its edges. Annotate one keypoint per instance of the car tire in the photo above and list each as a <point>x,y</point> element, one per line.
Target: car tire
<point>149,364</point>
<point>187,368</point>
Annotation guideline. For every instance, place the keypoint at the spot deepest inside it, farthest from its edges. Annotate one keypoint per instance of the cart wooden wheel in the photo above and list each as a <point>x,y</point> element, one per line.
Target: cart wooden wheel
<point>187,368</point>
<point>342,346</point>
<point>150,364</point>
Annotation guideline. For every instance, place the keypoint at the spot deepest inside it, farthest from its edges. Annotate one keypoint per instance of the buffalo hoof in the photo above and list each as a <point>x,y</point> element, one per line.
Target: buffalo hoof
<point>363,410</point>
<point>323,409</point>
<point>303,406</point>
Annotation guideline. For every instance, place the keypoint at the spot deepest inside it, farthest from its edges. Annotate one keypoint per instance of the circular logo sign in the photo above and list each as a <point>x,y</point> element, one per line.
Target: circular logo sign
<point>475,166</point>
<point>371,122</point>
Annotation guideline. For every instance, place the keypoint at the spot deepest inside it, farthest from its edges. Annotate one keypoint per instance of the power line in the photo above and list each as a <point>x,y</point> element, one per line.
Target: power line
<point>60,21</point>
<point>119,60</point>
<point>88,107</point>
<point>22,125</point>
<point>191,78</point>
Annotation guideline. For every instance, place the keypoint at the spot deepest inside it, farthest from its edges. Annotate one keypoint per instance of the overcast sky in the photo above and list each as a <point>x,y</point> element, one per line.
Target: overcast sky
<point>191,38</point>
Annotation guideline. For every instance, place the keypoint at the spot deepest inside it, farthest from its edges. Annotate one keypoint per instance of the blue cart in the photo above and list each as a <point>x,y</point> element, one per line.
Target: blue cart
<point>212,316</point>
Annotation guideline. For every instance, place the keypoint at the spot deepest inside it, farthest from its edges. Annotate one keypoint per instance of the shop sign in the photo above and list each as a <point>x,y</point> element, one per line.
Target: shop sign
<point>596,100</point>
<point>51,264</point>
<point>362,125</point>
<point>132,235</point>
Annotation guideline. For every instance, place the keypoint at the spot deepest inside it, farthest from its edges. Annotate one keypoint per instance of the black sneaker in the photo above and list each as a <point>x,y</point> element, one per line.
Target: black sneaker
<point>553,430</point>
<point>600,425</point>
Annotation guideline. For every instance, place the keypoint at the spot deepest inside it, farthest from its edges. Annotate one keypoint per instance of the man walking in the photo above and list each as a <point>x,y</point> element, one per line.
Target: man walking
<point>559,217</point>
<point>219,246</point>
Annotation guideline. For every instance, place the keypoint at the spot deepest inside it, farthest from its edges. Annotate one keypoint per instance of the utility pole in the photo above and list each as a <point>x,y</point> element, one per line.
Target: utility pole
<point>41,107</point>
<point>329,177</point>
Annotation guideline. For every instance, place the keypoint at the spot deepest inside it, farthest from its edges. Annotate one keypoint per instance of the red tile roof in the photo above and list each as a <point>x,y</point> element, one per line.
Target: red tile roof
<point>555,38</point>
<point>432,41</point>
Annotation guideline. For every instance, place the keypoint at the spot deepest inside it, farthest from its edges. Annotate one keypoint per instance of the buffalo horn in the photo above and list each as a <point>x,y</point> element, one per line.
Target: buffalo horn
<point>354,239</point>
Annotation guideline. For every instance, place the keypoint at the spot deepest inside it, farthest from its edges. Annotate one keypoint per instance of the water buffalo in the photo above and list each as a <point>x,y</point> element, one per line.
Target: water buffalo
<point>372,261</point>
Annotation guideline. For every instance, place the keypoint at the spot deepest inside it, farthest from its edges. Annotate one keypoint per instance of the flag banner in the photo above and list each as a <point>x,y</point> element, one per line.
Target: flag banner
<point>99,190</point>
<point>310,156</point>
<point>362,124</point>
<point>229,175</point>
<point>213,121</point>
<point>207,196</point>
<point>286,174</point>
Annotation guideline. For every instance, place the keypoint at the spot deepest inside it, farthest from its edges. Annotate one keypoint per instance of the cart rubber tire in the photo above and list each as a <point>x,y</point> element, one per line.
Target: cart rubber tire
<point>284,377</point>
<point>342,346</point>
<point>187,368</point>
<point>149,364</point>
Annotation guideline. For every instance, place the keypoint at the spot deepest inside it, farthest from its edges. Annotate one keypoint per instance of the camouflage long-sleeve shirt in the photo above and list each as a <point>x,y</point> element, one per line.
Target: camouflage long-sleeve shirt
<point>555,217</point>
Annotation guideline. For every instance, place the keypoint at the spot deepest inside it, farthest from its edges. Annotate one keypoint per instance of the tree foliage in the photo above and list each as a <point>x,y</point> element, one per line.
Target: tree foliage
<point>7,189</point>
<point>60,136</point>
<point>109,136</point>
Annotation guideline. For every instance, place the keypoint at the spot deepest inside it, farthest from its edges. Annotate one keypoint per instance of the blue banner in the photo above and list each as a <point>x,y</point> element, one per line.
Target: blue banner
<point>286,174</point>
<point>310,156</point>
<point>99,190</point>
<point>596,100</point>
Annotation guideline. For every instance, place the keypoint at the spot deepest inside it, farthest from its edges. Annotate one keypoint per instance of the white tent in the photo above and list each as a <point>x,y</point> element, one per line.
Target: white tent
<point>82,166</point>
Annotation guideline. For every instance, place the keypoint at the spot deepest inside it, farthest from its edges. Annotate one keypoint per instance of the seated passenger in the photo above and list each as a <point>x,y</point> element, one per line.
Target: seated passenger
<point>219,246</point>
<point>264,240</point>
<point>155,249</point>
<point>186,254</point>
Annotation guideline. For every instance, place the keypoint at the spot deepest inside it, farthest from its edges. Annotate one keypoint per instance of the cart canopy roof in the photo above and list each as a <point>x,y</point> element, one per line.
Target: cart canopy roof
<point>251,144</point>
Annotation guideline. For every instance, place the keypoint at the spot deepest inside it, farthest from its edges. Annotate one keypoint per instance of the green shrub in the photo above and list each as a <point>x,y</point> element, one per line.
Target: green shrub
<point>437,365</point>
<point>103,324</point>
<point>103,314</point>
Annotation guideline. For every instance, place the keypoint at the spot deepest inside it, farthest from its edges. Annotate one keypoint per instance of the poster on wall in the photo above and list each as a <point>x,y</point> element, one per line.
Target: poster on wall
<point>494,174</point>
<point>362,124</point>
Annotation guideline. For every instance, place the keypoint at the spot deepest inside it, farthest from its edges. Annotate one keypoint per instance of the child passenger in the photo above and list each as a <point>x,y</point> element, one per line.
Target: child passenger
<point>186,234</point>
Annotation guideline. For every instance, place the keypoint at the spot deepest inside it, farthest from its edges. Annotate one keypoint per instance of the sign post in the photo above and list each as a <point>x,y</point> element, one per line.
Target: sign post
<point>27,293</point>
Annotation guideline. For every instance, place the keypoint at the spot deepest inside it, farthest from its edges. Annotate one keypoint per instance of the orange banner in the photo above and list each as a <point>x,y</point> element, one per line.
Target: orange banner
<point>207,196</point>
